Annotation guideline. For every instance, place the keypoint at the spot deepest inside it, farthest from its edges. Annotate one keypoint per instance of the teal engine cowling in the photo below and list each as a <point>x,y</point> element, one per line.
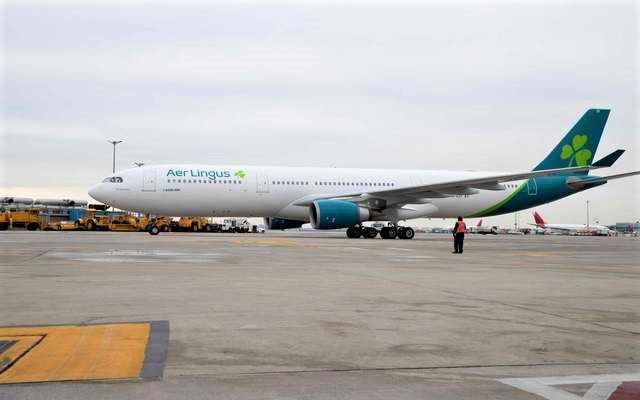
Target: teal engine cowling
<point>281,223</point>
<point>336,214</point>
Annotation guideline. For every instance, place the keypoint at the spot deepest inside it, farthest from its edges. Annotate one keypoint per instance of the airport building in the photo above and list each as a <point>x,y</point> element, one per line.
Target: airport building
<point>49,210</point>
<point>627,227</point>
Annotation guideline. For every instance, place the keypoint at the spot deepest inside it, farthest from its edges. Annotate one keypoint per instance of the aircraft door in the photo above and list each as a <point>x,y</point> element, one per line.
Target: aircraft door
<point>262,182</point>
<point>149,181</point>
<point>532,187</point>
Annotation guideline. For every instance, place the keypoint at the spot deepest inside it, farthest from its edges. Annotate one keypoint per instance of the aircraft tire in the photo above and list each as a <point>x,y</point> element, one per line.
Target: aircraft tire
<point>354,232</point>
<point>407,233</point>
<point>392,233</point>
<point>369,233</point>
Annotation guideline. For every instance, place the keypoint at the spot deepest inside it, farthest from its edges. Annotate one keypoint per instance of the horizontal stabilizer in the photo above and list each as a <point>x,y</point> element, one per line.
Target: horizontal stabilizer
<point>609,160</point>
<point>600,179</point>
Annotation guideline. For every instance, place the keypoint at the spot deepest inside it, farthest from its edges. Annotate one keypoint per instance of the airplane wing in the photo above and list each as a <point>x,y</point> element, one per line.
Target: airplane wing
<point>381,199</point>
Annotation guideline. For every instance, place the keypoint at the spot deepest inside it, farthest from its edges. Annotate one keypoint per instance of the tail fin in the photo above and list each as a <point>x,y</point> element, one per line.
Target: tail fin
<point>578,146</point>
<point>539,221</point>
<point>479,223</point>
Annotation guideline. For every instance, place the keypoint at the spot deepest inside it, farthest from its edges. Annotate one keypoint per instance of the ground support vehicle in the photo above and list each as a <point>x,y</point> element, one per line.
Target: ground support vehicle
<point>237,225</point>
<point>194,224</point>
<point>28,219</point>
<point>92,221</point>
<point>128,223</point>
<point>60,226</point>
<point>161,224</point>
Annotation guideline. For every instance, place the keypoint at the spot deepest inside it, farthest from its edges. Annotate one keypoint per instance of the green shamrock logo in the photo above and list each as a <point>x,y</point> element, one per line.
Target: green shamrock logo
<point>240,174</point>
<point>575,151</point>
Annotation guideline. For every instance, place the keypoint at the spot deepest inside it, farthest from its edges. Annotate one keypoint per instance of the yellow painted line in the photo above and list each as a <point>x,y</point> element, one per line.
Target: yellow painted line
<point>110,351</point>
<point>530,254</point>
<point>267,242</point>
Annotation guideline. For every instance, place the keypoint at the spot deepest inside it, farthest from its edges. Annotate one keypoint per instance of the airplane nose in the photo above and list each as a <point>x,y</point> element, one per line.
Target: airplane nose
<point>95,191</point>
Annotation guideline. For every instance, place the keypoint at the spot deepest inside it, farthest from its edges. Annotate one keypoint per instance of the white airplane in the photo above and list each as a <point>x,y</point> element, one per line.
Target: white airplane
<point>483,229</point>
<point>478,228</point>
<point>571,229</point>
<point>335,198</point>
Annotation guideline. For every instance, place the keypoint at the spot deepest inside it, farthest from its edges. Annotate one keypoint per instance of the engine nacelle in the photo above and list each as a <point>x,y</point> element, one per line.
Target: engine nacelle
<point>336,214</point>
<point>281,223</point>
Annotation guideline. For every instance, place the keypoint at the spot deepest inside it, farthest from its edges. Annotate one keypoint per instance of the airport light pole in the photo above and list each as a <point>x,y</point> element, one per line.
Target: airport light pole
<point>114,143</point>
<point>587,214</point>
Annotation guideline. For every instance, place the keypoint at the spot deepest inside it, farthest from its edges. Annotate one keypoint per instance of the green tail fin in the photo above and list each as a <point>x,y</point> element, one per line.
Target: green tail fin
<point>579,146</point>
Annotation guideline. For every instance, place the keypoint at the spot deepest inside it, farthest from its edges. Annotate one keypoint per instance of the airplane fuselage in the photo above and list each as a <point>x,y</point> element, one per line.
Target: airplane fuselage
<point>226,190</point>
<point>332,198</point>
<point>573,229</point>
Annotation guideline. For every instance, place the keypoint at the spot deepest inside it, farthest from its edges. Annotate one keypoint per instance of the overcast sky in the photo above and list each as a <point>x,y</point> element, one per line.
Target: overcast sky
<point>433,85</point>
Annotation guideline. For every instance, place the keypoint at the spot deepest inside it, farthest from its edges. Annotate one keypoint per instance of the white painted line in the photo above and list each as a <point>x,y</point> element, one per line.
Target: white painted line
<point>544,391</point>
<point>604,385</point>
<point>601,391</point>
<point>575,379</point>
<point>411,257</point>
<point>399,248</point>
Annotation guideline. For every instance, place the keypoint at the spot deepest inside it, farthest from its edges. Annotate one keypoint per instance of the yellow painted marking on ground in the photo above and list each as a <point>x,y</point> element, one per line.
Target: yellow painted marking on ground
<point>110,351</point>
<point>530,254</point>
<point>22,345</point>
<point>267,242</point>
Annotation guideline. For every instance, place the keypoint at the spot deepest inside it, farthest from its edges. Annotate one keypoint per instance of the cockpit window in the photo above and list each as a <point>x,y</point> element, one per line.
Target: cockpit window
<point>113,179</point>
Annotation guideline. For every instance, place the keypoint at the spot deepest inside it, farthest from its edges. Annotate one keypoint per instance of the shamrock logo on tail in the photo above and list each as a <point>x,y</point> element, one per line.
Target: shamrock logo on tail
<point>576,152</point>
<point>240,174</point>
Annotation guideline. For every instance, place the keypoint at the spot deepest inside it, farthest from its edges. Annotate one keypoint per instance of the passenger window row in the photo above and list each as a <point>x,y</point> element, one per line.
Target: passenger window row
<point>297,183</point>
<point>324,183</point>
<point>387,184</point>
<point>210,181</point>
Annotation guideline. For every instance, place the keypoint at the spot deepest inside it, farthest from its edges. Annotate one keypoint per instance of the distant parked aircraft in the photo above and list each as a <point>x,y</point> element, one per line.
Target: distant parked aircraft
<point>571,229</point>
<point>483,229</point>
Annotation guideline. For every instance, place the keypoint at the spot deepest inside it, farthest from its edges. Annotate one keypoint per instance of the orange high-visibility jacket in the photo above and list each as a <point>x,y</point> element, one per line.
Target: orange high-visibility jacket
<point>461,227</point>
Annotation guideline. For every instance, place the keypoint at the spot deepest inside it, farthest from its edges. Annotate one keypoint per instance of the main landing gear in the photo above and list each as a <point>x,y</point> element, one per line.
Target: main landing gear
<point>387,232</point>
<point>354,232</point>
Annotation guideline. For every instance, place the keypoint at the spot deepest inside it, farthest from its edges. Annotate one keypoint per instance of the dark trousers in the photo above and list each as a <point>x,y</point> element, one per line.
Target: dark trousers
<point>458,240</point>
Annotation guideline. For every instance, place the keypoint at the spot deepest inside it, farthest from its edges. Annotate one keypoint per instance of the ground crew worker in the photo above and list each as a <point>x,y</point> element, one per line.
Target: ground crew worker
<point>458,236</point>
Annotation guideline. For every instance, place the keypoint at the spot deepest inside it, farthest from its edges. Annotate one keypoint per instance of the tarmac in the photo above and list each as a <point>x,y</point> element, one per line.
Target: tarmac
<point>303,315</point>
